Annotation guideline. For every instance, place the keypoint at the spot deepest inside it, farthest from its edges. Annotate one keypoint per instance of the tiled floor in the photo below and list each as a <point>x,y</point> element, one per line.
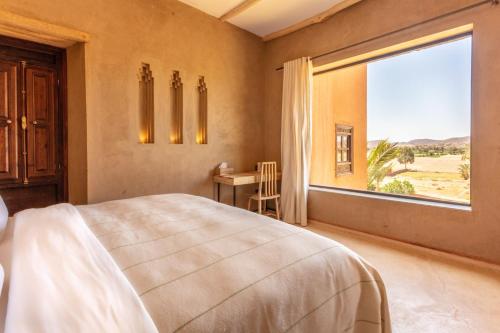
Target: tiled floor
<point>428,292</point>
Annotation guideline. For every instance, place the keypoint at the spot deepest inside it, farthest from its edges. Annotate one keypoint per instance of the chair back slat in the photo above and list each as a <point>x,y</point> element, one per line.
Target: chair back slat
<point>268,179</point>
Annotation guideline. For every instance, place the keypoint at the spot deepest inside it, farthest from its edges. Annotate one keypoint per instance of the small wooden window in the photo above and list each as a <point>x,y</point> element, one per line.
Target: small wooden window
<point>343,148</point>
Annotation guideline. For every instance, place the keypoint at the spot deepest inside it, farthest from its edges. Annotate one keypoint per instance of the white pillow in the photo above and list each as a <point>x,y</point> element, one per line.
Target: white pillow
<point>4,215</point>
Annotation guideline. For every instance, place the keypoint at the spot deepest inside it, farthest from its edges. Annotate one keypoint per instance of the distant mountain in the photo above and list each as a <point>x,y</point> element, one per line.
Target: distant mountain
<point>373,143</point>
<point>460,141</point>
<point>456,142</point>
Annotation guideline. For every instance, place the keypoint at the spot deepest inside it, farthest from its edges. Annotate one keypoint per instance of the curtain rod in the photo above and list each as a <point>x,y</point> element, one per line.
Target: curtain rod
<point>466,8</point>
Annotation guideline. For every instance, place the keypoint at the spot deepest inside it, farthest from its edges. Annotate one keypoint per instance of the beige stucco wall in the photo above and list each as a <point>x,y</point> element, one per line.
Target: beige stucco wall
<point>77,124</point>
<point>339,98</point>
<point>475,233</point>
<point>169,36</point>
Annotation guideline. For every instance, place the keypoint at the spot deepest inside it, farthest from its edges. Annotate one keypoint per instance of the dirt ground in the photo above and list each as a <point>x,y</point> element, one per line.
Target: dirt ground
<point>436,177</point>
<point>446,163</point>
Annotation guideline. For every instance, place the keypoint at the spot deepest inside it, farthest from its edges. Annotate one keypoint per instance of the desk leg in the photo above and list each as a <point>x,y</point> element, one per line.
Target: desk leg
<point>234,195</point>
<point>218,192</point>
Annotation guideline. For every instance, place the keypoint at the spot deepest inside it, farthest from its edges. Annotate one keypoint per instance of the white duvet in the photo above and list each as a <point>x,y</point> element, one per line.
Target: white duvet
<point>62,279</point>
<point>195,266</point>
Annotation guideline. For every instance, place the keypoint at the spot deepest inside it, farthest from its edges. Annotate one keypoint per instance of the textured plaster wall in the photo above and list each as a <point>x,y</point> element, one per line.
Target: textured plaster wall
<point>475,233</point>
<point>77,124</point>
<point>339,98</point>
<point>169,36</point>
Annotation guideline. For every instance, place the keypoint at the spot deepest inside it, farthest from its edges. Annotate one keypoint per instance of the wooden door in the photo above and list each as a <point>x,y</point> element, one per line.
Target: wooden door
<point>33,137</point>
<point>8,121</point>
<point>41,114</point>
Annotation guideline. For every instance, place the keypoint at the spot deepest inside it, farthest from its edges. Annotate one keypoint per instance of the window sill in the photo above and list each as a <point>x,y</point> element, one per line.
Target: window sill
<point>343,174</point>
<point>423,202</point>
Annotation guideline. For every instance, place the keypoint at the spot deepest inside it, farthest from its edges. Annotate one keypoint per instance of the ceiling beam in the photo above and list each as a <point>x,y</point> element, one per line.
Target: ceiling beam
<point>312,20</point>
<point>238,9</point>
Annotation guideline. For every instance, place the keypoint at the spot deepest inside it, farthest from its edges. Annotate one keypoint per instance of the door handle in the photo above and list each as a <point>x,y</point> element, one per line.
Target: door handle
<point>8,121</point>
<point>35,122</point>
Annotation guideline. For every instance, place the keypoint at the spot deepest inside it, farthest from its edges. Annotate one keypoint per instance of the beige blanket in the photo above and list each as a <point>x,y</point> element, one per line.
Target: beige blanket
<point>201,266</point>
<point>198,266</point>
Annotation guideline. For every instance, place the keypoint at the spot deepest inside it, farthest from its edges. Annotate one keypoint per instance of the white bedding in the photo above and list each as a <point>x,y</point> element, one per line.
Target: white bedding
<point>196,265</point>
<point>62,279</point>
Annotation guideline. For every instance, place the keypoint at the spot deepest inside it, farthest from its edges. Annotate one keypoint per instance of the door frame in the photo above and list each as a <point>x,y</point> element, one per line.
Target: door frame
<point>62,100</point>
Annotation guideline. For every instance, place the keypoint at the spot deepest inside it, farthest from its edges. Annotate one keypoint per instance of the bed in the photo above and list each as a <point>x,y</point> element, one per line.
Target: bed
<point>182,263</point>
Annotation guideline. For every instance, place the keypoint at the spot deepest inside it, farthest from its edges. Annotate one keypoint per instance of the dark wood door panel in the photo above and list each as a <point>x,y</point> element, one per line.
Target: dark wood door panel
<point>41,116</point>
<point>22,50</point>
<point>41,139</point>
<point>33,130</point>
<point>8,121</point>
<point>21,198</point>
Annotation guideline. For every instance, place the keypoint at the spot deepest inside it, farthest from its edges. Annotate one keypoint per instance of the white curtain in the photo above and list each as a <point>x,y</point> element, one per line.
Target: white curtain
<point>296,117</point>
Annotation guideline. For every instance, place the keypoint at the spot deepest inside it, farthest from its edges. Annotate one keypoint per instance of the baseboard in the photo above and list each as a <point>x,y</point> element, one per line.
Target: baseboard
<point>427,250</point>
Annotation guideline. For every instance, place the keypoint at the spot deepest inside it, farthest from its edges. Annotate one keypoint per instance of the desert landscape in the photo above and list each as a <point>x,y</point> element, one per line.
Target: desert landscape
<point>434,169</point>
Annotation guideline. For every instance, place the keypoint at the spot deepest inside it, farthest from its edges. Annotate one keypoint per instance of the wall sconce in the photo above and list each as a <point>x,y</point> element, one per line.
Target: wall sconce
<point>146,105</point>
<point>201,135</point>
<point>176,135</point>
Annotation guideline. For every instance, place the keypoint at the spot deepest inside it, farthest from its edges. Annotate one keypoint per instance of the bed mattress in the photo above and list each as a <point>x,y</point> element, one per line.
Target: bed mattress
<point>182,263</point>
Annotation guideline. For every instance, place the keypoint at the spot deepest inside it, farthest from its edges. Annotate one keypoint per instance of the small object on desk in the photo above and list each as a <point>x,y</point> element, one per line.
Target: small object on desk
<point>223,169</point>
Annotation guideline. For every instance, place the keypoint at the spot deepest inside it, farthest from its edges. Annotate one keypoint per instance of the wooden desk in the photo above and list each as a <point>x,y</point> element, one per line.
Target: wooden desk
<point>238,179</point>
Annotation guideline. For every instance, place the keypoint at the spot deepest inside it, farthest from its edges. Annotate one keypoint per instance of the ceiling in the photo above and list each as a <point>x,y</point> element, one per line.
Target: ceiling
<point>270,18</point>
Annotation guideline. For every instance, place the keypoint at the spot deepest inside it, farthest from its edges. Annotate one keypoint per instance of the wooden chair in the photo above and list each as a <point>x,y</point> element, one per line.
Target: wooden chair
<point>268,188</point>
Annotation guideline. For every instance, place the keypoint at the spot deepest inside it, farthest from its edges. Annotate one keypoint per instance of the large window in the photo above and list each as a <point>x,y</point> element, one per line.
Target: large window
<point>412,114</point>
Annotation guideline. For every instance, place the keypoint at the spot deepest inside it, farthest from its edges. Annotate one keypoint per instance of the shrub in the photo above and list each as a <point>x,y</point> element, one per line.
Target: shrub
<point>399,187</point>
<point>464,170</point>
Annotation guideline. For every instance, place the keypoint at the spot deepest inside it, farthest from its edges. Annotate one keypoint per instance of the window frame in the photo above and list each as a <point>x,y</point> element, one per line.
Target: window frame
<point>451,35</point>
<point>345,131</point>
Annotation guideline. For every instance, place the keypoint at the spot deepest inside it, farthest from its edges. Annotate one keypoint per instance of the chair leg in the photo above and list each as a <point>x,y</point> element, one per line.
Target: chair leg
<point>249,203</point>
<point>260,206</point>
<point>265,206</point>
<point>277,204</point>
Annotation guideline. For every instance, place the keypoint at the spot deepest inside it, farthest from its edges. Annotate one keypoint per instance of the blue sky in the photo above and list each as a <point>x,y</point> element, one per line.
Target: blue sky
<point>421,94</point>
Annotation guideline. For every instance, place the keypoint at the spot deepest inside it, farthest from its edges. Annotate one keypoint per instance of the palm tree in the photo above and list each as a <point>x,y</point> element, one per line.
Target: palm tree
<point>379,165</point>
